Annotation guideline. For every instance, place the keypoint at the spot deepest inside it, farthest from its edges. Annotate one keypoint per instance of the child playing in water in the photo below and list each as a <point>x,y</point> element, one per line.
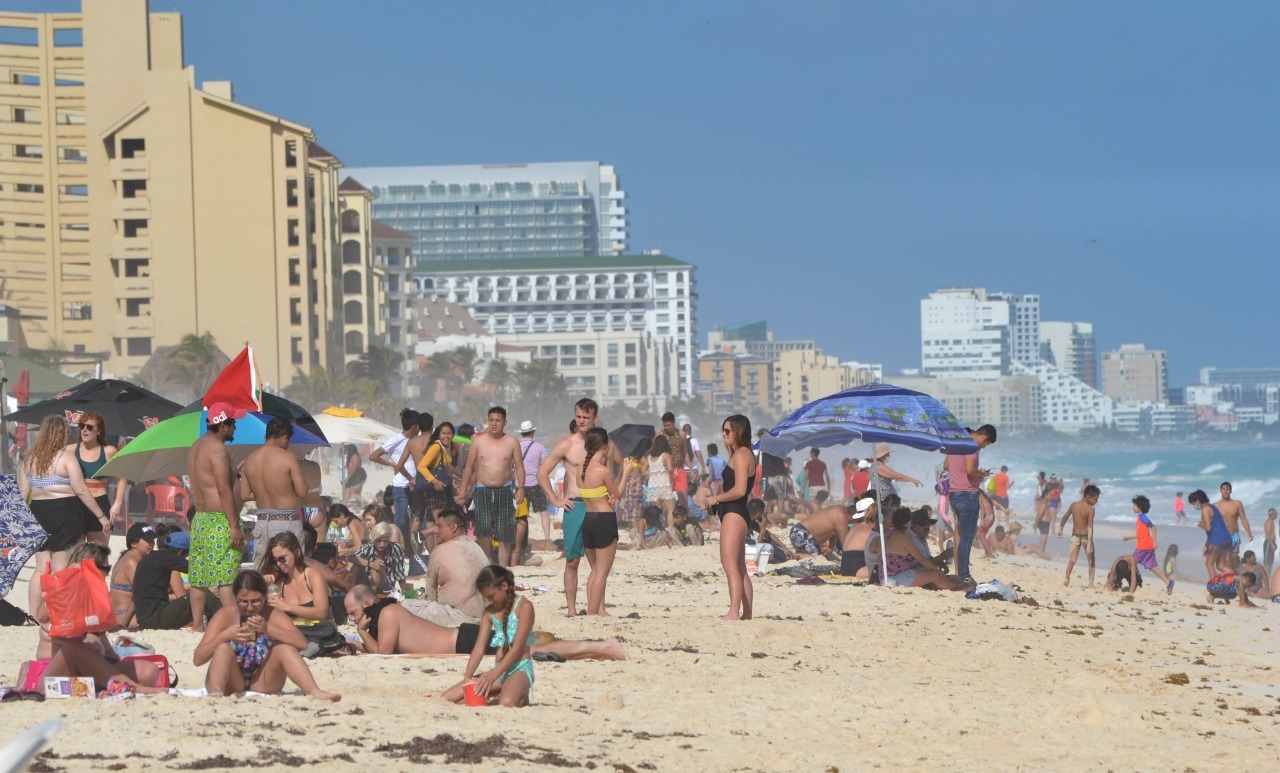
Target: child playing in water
<point>1081,514</point>
<point>509,621</point>
<point>1144,552</point>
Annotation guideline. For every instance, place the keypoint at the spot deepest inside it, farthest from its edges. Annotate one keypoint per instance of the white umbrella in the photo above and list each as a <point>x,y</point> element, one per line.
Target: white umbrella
<point>357,430</point>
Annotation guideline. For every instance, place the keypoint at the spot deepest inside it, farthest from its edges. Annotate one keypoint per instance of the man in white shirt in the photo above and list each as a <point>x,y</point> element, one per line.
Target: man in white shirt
<point>389,454</point>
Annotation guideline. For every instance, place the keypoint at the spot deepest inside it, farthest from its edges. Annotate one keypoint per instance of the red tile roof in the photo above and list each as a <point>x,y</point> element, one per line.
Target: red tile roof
<point>383,231</point>
<point>316,150</point>
<point>351,185</point>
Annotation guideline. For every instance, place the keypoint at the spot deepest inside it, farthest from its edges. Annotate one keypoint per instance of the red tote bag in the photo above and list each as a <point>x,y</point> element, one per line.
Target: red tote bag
<point>78,601</point>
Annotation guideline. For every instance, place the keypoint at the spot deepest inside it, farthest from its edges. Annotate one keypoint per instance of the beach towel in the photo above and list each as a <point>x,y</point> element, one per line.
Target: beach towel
<point>20,533</point>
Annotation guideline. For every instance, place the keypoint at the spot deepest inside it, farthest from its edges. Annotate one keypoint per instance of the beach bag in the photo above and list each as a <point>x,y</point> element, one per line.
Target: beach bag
<point>11,615</point>
<point>165,675</point>
<point>78,601</point>
<point>326,636</point>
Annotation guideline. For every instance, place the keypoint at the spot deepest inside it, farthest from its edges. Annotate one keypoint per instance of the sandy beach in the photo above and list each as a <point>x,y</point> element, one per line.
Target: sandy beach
<point>830,677</point>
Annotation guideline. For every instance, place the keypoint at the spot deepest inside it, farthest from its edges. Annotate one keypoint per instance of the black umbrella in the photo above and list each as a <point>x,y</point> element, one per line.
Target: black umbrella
<point>628,436</point>
<point>128,409</point>
<point>277,406</point>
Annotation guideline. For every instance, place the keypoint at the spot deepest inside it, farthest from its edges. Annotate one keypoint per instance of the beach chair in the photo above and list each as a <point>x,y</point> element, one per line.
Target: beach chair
<point>168,503</point>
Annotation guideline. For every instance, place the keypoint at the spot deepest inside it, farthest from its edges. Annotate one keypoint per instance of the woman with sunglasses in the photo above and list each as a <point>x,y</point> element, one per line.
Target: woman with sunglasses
<point>252,646</point>
<point>300,589</point>
<point>739,476</point>
<point>92,453</point>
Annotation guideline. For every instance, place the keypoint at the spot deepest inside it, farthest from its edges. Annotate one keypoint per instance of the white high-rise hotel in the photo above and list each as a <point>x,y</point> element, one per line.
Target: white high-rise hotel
<point>970,333</point>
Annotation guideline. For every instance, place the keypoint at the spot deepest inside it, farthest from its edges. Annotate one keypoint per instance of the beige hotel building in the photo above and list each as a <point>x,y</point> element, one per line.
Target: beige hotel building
<point>137,206</point>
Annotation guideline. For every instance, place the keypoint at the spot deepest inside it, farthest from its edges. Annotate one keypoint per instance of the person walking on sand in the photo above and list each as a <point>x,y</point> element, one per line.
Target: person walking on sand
<point>216,535</point>
<point>272,479</point>
<point>739,476</point>
<point>1081,514</point>
<point>494,464</point>
<point>1144,551</point>
<point>1179,512</point>
<point>1217,547</point>
<point>1232,511</point>
<point>964,476</point>
<point>389,454</point>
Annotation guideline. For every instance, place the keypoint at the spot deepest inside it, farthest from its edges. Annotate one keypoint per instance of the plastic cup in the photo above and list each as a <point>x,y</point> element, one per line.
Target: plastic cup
<point>471,697</point>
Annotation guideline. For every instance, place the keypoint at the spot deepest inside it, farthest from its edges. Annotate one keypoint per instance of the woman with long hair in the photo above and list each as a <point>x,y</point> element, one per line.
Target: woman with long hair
<point>250,645</point>
<point>52,482</point>
<point>597,487</point>
<point>301,590</point>
<point>437,468</point>
<point>92,452</point>
<point>346,530</point>
<point>634,480</point>
<point>739,476</point>
<point>658,491</point>
<point>508,626</point>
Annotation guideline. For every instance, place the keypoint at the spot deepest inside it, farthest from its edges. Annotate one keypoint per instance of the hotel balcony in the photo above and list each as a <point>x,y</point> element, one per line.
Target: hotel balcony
<point>130,247</point>
<point>134,327</point>
<point>130,169</point>
<point>134,287</point>
<point>131,209</point>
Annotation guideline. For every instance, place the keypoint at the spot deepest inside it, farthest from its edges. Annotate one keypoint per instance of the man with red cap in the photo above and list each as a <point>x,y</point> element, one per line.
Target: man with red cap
<point>216,537</point>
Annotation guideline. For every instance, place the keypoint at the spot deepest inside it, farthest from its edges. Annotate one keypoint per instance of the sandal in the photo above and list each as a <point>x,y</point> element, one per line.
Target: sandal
<point>548,657</point>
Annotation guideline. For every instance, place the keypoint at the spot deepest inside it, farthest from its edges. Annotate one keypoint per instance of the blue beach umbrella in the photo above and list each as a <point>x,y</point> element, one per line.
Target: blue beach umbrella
<point>161,451</point>
<point>875,413</point>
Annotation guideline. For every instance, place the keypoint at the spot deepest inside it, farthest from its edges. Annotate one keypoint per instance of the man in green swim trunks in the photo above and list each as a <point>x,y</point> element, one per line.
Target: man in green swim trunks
<point>216,539</point>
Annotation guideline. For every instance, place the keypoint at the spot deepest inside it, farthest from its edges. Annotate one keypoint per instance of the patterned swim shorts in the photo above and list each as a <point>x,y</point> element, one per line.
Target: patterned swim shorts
<point>213,561</point>
<point>496,513</point>
<point>803,542</point>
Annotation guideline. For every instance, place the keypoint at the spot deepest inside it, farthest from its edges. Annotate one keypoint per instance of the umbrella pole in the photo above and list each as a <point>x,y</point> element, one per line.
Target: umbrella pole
<point>875,483</point>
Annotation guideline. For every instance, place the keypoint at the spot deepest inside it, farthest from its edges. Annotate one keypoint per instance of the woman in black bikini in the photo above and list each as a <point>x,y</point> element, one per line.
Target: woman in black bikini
<point>303,591</point>
<point>739,476</point>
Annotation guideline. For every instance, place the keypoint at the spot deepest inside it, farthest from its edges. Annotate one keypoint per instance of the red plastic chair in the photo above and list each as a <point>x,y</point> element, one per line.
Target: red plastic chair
<point>169,503</point>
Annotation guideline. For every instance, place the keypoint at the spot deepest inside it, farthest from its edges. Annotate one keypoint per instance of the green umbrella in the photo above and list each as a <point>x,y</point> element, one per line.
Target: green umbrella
<point>161,451</point>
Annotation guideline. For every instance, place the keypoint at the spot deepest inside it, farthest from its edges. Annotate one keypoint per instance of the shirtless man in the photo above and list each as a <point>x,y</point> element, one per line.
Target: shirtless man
<point>820,533</point>
<point>572,451</point>
<point>494,465</point>
<point>1269,541</point>
<point>216,539</point>
<point>388,628</point>
<point>1233,515</point>
<point>272,478</point>
<point>313,511</point>
<point>451,595</point>
<point>1081,514</point>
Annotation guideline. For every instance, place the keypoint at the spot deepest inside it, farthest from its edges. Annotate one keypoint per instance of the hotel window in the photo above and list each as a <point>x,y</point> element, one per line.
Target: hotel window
<point>77,310</point>
<point>547,351</point>
<point>291,153</point>
<point>138,347</point>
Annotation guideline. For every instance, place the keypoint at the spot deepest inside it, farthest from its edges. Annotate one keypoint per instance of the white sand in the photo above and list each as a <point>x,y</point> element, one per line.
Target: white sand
<point>830,677</point>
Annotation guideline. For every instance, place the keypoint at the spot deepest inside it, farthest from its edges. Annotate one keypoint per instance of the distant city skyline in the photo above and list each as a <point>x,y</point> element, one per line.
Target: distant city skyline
<point>825,165</point>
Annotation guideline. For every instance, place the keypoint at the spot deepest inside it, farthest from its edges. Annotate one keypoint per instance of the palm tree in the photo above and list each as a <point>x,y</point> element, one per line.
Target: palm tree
<point>467,360</point>
<point>198,360</point>
<point>51,356</point>
<point>381,365</point>
<point>541,385</point>
<point>500,376</point>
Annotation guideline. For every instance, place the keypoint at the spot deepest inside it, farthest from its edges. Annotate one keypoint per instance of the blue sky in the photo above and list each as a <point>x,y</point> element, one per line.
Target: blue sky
<point>826,165</point>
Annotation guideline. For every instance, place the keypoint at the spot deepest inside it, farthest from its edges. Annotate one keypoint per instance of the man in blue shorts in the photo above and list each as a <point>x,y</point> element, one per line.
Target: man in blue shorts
<point>572,451</point>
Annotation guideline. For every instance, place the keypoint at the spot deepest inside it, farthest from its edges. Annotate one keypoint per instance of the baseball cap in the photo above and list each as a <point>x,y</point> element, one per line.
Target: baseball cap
<point>178,539</point>
<point>863,464</point>
<point>140,531</point>
<point>526,426</point>
<point>863,505</point>
<point>220,412</point>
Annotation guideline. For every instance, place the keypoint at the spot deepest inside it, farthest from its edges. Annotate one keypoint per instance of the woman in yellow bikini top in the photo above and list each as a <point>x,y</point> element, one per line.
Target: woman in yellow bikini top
<point>599,491</point>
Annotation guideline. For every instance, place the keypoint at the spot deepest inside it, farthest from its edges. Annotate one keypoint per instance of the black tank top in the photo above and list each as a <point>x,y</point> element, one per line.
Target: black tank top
<point>738,505</point>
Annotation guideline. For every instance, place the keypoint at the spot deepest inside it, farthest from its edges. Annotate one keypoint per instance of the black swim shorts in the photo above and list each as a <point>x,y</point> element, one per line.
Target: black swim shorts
<point>600,530</point>
<point>468,633</point>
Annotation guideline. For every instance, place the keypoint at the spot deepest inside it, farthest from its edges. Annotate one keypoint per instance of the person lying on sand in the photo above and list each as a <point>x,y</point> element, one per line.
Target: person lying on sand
<point>388,628</point>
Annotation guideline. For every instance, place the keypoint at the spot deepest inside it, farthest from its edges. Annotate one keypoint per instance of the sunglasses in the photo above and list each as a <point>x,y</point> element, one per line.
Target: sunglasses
<point>280,559</point>
<point>11,695</point>
<point>726,431</point>
<point>90,427</point>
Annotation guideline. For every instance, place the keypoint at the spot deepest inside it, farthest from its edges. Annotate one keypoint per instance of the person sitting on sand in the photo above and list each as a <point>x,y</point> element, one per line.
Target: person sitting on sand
<point>451,597</point>
<point>92,655</point>
<point>1249,563</point>
<point>922,521</point>
<point>759,518</point>
<point>651,534</point>
<point>1081,514</point>
<point>906,565</point>
<point>138,543</point>
<point>509,624</point>
<point>853,543</point>
<point>388,627</point>
<point>382,560</point>
<point>163,601</point>
<point>819,534</point>
<point>684,532</point>
<point>252,646</point>
<point>1229,585</point>
<point>1144,552</point>
<point>1123,575</point>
